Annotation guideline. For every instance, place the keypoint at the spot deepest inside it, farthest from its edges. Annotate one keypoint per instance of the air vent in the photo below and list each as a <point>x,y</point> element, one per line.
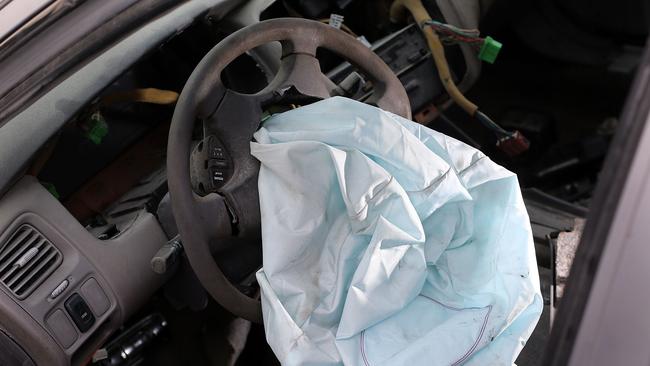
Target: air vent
<point>26,260</point>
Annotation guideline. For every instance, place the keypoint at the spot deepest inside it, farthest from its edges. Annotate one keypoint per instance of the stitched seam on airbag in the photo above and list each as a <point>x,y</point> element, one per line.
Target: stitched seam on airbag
<point>455,363</point>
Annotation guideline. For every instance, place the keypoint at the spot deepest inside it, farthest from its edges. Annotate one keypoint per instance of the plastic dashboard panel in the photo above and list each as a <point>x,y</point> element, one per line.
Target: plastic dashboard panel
<point>119,266</point>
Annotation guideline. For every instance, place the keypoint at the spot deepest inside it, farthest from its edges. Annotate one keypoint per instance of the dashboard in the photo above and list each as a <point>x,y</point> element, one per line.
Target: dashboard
<point>106,279</point>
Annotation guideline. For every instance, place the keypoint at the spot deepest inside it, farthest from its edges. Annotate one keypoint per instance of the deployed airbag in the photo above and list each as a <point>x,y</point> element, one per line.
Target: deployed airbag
<point>387,243</point>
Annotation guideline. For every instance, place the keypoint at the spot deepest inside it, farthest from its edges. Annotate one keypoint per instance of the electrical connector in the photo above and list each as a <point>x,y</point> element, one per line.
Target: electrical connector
<point>514,144</point>
<point>490,50</point>
<point>95,127</point>
<point>336,20</point>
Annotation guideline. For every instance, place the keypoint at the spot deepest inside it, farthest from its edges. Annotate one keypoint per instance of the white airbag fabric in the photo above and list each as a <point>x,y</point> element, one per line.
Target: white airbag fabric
<point>387,243</point>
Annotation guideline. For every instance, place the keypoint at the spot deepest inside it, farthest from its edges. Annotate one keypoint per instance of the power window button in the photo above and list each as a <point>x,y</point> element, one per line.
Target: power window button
<point>62,328</point>
<point>79,312</point>
<point>95,297</point>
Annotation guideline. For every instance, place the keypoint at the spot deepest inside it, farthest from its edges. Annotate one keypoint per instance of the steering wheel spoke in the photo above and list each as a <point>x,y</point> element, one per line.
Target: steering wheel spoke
<point>302,71</point>
<point>225,162</point>
<point>236,114</point>
<point>222,160</point>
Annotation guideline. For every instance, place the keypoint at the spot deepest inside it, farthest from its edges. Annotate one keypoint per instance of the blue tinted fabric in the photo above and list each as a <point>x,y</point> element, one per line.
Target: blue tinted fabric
<point>387,243</point>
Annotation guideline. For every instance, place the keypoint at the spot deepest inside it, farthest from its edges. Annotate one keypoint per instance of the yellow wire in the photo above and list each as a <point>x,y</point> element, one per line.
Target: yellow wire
<point>420,15</point>
<point>145,95</point>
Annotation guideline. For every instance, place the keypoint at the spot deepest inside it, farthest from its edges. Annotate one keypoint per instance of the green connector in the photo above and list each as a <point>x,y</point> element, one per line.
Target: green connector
<point>489,50</point>
<point>51,188</point>
<point>96,128</point>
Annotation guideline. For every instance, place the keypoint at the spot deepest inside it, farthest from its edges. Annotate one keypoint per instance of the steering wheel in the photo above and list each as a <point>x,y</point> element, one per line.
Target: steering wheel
<point>213,185</point>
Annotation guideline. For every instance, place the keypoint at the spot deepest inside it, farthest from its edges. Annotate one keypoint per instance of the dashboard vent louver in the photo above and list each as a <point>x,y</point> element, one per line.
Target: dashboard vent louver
<point>26,260</point>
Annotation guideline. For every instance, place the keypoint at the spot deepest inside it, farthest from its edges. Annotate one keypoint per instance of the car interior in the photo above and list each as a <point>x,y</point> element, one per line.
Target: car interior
<point>129,212</point>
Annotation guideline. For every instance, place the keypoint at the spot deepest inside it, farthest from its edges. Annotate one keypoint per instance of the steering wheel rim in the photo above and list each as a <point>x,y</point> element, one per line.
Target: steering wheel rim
<point>231,118</point>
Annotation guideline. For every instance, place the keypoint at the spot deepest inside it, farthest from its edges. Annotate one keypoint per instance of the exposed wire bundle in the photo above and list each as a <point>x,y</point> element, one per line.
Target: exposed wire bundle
<point>487,48</point>
<point>450,34</point>
<point>512,143</point>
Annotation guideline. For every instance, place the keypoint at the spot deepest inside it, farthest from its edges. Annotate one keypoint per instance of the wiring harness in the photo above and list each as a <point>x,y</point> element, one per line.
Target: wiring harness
<point>511,143</point>
<point>487,48</point>
<point>450,34</point>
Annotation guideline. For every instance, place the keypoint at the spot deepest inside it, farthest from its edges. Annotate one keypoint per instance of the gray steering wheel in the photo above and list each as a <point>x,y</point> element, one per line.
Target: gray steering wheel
<point>220,168</point>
